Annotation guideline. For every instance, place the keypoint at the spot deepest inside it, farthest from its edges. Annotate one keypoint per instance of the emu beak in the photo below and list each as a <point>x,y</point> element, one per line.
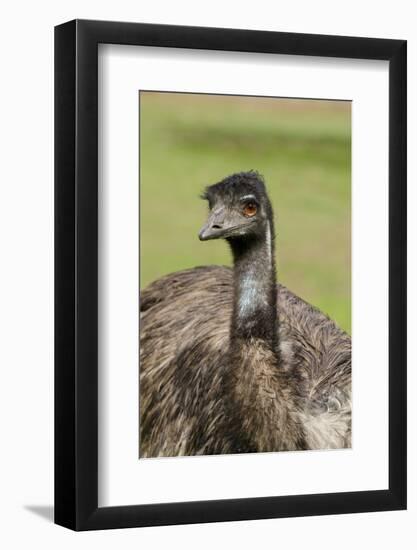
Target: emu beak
<point>207,233</point>
<point>214,227</point>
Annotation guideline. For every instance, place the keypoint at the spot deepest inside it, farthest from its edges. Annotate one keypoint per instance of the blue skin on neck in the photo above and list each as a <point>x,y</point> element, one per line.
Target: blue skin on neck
<point>254,313</point>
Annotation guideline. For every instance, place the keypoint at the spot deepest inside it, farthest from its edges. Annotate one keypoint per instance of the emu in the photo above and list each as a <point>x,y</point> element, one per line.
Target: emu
<point>231,361</point>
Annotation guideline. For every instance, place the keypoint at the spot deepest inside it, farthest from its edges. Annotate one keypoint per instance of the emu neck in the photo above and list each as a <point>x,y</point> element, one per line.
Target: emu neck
<point>255,293</point>
<point>259,403</point>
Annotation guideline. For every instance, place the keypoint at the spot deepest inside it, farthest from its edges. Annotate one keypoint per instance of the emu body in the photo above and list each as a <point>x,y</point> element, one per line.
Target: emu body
<point>231,361</point>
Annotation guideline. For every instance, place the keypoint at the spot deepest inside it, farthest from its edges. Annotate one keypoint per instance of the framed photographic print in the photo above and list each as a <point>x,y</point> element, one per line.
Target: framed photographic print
<point>230,252</point>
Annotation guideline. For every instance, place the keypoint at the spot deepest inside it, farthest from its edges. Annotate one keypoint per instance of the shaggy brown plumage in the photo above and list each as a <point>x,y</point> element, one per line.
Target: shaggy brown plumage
<point>214,380</point>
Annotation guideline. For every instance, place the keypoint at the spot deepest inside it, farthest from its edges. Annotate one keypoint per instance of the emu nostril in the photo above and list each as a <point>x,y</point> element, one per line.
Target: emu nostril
<point>215,226</point>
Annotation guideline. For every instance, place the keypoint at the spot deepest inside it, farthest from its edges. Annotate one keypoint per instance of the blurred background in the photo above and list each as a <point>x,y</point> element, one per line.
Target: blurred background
<point>303,150</point>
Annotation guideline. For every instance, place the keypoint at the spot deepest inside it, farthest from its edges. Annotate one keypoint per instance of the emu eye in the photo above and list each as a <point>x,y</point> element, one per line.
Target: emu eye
<point>250,209</point>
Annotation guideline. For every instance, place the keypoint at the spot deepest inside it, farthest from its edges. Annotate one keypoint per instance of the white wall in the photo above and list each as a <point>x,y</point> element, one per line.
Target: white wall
<point>26,289</point>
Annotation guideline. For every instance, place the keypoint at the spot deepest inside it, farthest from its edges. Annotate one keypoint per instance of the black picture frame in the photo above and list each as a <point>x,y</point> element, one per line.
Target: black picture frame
<point>76,272</point>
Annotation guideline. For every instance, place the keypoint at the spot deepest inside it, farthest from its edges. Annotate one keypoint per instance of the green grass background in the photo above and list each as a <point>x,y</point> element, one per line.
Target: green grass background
<point>302,148</point>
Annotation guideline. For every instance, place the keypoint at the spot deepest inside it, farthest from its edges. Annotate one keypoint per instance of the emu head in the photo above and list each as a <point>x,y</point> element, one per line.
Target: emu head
<point>239,208</point>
